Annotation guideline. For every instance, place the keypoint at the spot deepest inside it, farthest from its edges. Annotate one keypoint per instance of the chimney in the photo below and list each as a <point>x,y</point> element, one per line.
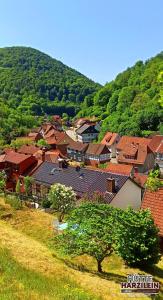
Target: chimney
<point>60,163</point>
<point>136,170</point>
<point>43,154</point>
<point>110,182</point>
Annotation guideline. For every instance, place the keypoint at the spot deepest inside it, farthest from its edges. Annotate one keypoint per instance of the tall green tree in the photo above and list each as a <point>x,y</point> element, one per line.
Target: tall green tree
<point>137,239</point>
<point>90,231</point>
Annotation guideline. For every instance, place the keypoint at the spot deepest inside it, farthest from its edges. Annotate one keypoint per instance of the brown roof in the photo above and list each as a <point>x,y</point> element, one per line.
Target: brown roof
<point>126,140</point>
<point>53,155</point>
<point>109,138</point>
<point>119,169</point>
<point>156,144</point>
<point>140,179</point>
<point>77,146</point>
<point>131,149</point>
<point>15,157</point>
<point>33,134</point>
<point>154,201</point>
<point>138,158</point>
<point>54,137</point>
<point>28,149</point>
<point>47,127</point>
<point>96,149</point>
<point>84,127</point>
<point>51,132</point>
<point>81,121</point>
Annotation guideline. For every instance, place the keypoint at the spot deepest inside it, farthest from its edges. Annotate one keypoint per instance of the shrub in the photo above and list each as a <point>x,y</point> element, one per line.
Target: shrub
<point>13,201</point>
<point>137,239</point>
<point>45,203</point>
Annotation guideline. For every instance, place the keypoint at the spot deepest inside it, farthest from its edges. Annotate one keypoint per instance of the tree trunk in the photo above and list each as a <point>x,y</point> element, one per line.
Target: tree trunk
<point>60,217</point>
<point>99,267</point>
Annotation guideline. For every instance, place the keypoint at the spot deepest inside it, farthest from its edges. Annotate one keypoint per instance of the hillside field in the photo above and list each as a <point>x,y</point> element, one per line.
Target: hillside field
<point>32,269</point>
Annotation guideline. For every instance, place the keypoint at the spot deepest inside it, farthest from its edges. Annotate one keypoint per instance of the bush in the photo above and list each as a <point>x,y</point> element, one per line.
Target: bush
<point>45,203</point>
<point>137,239</point>
<point>13,201</point>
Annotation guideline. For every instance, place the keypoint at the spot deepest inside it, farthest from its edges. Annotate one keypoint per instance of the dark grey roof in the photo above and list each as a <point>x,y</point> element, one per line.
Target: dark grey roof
<point>82,181</point>
<point>85,127</point>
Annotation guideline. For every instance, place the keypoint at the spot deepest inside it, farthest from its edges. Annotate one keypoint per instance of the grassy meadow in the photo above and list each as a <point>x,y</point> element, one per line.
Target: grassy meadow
<point>31,268</point>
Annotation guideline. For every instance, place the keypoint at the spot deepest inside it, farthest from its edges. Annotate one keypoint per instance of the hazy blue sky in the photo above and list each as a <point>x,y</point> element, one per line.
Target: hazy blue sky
<point>99,38</point>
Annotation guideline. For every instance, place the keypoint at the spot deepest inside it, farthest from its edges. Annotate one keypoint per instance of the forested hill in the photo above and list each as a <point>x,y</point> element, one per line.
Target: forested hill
<point>34,84</point>
<point>131,104</point>
<point>31,80</point>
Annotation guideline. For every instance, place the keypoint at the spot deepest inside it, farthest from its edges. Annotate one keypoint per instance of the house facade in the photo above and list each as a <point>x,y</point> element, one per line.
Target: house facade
<point>156,145</point>
<point>118,190</point>
<point>15,165</point>
<point>97,154</point>
<point>87,133</point>
<point>135,151</point>
<point>76,151</point>
<point>110,140</point>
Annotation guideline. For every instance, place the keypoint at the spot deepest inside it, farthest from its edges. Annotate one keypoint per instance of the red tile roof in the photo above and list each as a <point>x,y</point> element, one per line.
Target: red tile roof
<point>156,144</point>
<point>28,149</point>
<point>119,169</point>
<point>126,140</point>
<point>137,155</point>
<point>15,157</point>
<point>77,146</point>
<point>96,149</point>
<point>154,201</point>
<point>51,132</point>
<point>47,127</point>
<point>54,137</point>
<point>53,155</point>
<point>140,179</point>
<point>109,138</point>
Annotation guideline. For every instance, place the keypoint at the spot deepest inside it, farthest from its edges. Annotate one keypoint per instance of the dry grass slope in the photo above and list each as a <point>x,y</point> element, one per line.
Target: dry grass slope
<point>28,236</point>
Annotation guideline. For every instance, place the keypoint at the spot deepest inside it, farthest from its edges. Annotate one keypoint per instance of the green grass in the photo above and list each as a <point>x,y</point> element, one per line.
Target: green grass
<point>32,268</point>
<point>17,282</point>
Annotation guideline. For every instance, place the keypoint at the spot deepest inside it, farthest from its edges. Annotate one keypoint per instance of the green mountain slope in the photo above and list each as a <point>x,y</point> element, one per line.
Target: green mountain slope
<point>131,104</point>
<point>33,83</point>
<point>30,79</point>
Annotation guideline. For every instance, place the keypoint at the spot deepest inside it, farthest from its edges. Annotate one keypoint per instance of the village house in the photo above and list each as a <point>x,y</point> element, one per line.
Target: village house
<point>135,151</point>
<point>56,121</point>
<point>97,154</point>
<point>34,136</point>
<point>56,139</point>
<point>118,190</point>
<point>140,179</point>
<point>156,145</point>
<point>120,169</point>
<point>87,133</point>
<point>29,149</point>
<point>15,165</point>
<point>110,140</point>
<point>154,201</point>
<point>81,121</point>
<point>76,151</point>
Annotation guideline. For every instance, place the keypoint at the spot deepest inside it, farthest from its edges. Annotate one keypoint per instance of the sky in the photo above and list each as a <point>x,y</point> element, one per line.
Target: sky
<point>99,38</point>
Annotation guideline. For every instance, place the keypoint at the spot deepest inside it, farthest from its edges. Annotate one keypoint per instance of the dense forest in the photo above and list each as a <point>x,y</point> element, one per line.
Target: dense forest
<point>130,104</point>
<point>34,84</point>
